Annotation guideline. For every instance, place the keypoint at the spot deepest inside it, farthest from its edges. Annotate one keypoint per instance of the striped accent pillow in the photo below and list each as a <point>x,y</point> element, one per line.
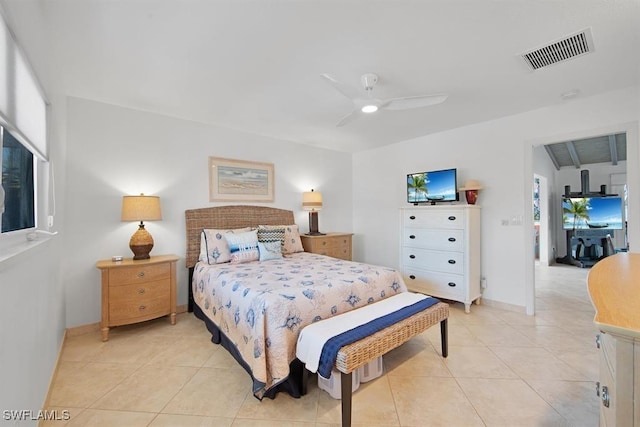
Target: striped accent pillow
<point>270,234</point>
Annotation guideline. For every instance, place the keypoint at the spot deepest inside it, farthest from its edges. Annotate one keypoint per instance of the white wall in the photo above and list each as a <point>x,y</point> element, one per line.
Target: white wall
<point>114,151</point>
<point>497,153</point>
<point>543,166</point>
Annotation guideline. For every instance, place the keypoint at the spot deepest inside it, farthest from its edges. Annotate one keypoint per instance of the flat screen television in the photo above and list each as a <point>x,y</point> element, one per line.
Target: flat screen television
<point>432,187</point>
<point>581,213</point>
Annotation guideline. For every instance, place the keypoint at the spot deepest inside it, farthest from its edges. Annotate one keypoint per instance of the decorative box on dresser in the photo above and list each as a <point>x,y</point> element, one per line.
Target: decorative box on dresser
<point>336,245</point>
<point>614,287</point>
<point>440,251</point>
<point>135,291</point>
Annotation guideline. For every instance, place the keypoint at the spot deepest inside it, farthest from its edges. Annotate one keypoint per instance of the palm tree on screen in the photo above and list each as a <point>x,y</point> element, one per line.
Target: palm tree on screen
<point>418,183</point>
<point>579,208</point>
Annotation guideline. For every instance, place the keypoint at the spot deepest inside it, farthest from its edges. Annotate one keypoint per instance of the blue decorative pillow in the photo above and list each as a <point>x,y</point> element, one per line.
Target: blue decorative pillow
<point>270,250</point>
<point>243,246</point>
<point>214,248</point>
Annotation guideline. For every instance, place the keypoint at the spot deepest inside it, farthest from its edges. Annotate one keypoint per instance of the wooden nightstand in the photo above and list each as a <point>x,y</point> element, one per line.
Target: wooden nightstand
<point>135,291</point>
<point>337,245</point>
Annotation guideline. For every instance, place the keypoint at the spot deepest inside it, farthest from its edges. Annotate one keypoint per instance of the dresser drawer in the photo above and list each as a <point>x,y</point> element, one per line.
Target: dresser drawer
<point>445,240</point>
<point>440,218</point>
<point>426,259</point>
<point>138,274</point>
<point>127,302</point>
<point>607,414</point>
<point>450,286</point>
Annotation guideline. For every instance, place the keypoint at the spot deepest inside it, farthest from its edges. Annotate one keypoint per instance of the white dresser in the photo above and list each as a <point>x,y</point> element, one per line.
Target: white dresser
<point>614,287</point>
<point>440,251</point>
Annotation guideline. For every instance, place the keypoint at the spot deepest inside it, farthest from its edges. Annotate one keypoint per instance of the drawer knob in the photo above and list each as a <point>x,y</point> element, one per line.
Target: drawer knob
<point>452,261</point>
<point>412,256</point>
<point>412,217</point>
<point>412,277</point>
<point>412,236</point>
<point>452,218</point>
<point>141,274</point>
<point>598,388</point>
<point>452,284</point>
<point>324,242</point>
<point>598,341</point>
<point>452,239</point>
<point>605,396</point>
<point>141,291</point>
<point>142,307</point>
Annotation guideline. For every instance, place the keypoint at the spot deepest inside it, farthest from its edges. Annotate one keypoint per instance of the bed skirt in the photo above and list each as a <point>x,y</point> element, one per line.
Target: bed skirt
<point>291,385</point>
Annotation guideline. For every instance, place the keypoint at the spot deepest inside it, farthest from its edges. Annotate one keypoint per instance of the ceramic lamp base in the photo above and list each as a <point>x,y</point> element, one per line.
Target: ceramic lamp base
<point>141,243</point>
<point>472,196</point>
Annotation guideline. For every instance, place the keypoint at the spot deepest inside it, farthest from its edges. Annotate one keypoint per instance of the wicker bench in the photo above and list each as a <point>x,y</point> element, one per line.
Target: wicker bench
<point>352,356</point>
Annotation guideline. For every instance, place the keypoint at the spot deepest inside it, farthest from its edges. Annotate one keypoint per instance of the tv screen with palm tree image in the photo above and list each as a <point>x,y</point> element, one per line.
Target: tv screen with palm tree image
<point>432,187</point>
<point>582,213</point>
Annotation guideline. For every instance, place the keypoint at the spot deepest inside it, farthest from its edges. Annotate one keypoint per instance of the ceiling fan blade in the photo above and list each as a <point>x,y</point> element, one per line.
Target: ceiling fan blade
<point>347,119</point>
<point>344,89</point>
<point>414,102</point>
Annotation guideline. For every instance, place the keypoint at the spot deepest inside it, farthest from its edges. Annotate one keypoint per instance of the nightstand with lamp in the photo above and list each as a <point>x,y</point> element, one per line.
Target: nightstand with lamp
<point>336,245</point>
<point>143,287</point>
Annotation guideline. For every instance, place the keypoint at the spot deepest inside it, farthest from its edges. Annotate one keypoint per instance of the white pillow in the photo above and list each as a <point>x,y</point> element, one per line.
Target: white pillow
<point>243,246</point>
<point>214,248</point>
<point>270,250</point>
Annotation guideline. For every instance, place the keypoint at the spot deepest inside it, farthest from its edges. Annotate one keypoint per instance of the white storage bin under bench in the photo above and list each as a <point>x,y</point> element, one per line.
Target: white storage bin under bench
<point>440,251</point>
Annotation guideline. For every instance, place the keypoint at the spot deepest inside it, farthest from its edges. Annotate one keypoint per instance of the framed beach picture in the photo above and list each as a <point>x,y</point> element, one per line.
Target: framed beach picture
<point>239,180</point>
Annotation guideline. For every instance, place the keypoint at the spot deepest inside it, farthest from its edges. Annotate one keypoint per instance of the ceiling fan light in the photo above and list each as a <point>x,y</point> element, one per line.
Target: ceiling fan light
<point>370,108</point>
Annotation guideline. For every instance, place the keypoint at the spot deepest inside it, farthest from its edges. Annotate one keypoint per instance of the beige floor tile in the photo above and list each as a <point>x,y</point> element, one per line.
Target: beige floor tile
<point>59,416</point>
<point>172,420</point>
<point>585,362</point>
<point>131,349</point>
<point>185,351</point>
<point>432,401</point>
<point>476,362</point>
<point>415,358</point>
<point>500,335</point>
<point>212,392</point>
<point>575,401</point>
<point>101,418</point>
<point>509,403</point>
<point>82,348</point>
<point>537,364</point>
<point>372,404</point>
<point>268,423</point>
<point>282,408</point>
<point>82,387</point>
<point>148,389</point>
<point>458,334</point>
<point>220,358</point>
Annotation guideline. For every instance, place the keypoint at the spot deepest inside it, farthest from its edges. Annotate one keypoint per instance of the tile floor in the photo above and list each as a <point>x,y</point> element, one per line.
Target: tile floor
<point>504,369</point>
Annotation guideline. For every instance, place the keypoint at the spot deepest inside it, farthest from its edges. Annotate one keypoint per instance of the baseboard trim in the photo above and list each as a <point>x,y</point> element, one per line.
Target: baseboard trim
<point>83,329</point>
<point>504,306</point>
<point>54,374</point>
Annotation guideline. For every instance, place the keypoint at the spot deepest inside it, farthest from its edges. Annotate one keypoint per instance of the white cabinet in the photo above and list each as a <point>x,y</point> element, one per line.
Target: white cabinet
<point>614,288</point>
<point>618,387</point>
<point>440,251</point>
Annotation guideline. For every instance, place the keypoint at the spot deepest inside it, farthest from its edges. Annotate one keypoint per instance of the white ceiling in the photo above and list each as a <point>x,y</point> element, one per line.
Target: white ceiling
<point>256,65</point>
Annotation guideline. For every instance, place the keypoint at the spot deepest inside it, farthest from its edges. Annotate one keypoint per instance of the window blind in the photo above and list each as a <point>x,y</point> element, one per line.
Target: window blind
<point>22,105</point>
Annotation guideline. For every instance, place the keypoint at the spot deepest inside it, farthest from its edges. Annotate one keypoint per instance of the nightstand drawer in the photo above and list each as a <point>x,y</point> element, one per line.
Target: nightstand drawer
<point>138,274</point>
<point>139,300</point>
<point>336,245</point>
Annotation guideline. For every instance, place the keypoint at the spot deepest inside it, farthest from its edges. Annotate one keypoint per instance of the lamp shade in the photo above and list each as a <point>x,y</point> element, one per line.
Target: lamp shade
<point>141,208</point>
<point>311,200</point>
<point>471,184</point>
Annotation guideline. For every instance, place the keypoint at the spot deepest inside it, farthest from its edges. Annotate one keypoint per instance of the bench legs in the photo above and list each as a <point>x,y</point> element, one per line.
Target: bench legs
<point>444,337</point>
<point>346,390</point>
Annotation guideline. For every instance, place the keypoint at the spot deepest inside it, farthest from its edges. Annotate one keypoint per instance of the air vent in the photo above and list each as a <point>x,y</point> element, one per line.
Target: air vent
<point>567,48</point>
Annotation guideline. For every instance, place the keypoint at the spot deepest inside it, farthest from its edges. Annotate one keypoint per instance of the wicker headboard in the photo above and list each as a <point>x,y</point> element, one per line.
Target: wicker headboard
<point>227,217</point>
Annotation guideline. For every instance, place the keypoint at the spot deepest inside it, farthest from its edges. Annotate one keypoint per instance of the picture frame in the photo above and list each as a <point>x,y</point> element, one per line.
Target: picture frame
<point>232,180</point>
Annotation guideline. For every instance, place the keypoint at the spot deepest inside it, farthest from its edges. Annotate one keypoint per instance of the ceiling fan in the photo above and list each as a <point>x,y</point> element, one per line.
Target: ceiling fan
<point>368,104</point>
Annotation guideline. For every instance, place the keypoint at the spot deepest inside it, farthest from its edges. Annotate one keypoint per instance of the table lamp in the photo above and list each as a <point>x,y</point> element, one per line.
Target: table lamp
<point>312,202</point>
<point>141,208</point>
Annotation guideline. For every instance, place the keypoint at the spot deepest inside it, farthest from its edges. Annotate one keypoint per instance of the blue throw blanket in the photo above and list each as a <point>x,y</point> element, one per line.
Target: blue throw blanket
<point>333,345</point>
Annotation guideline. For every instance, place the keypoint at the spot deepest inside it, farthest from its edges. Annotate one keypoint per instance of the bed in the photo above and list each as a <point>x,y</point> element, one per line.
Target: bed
<point>256,309</point>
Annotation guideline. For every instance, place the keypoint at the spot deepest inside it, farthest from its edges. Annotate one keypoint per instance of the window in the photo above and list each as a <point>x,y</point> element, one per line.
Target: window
<point>18,184</point>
